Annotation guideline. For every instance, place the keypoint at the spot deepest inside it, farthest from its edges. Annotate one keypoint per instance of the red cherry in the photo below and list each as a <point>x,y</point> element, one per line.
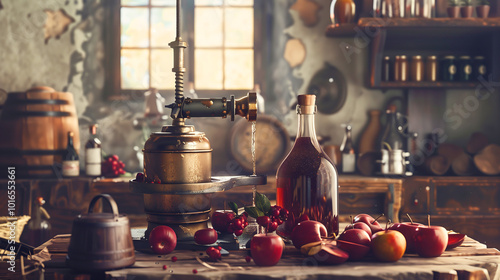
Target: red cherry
<point>272,226</point>
<point>248,259</point>
<point>174,259</point>
<point>195,271</point>
<point>237,223</point>
<point>114,157</point>
<point>165,267</point>
<point>109,159</point>
<point>263,221</point>
<point>213,253</point>
<point>139,177</point>
<point>274,212</point>
<point>122,165</point>
<point>238,232</point>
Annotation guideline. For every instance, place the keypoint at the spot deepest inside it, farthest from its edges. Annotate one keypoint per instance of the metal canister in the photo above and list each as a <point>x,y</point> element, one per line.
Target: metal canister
<point>386,69</point>
<point>417,68</point>
<point>464,68</point>
<point>431,66</point>
<point>479,67</point>
<point>448,69</point>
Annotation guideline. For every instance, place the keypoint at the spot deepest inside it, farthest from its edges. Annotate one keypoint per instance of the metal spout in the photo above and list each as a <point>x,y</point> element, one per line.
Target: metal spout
<point>217,107</point>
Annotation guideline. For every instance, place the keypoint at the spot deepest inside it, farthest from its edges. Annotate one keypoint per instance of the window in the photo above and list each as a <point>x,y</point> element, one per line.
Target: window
<point>221,41</point>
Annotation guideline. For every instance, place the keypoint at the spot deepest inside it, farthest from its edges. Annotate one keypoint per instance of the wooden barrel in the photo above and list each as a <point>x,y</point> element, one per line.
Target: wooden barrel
<point>34,126</point>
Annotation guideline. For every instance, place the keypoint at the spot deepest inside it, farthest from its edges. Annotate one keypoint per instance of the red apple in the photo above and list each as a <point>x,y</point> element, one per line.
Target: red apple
<point>355,235</point>
<point>455,240</point>
<point>308,232</point>
<point>370,221</point>
<point>388,245</point>
<point>356,251</point>
<point>221,220</point>
<point>162,240</point>
<point>359,225</point>
<point>266,249</point>
<point>430,241</point>
<point>205,236</point>
<point>408,230</point>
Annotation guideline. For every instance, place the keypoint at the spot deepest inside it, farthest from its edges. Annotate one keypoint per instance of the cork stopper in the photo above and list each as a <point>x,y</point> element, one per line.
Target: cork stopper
<point>307,100</point>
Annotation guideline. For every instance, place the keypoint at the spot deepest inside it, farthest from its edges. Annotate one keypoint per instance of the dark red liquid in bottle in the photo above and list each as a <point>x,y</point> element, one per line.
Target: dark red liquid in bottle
<point>307,185</point>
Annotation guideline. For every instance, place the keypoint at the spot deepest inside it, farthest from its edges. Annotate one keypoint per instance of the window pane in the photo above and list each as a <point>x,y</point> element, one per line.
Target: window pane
<point>134,27</point>
<point>208,2</point>
<point>241,33</point>
<point>163,3</point>
<point>134,2</point>
<point>162,26</point>
<point>208,27</point>
<point>208,69</point>
<point>239,69</point>
<point>134,69</point>
<point>162,76</point>
<point>239,2</point>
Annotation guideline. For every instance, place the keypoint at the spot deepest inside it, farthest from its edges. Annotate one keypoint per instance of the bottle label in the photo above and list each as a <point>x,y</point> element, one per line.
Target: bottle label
<point>71,168</point>
<point>93,161</point>
<point>348,163</point>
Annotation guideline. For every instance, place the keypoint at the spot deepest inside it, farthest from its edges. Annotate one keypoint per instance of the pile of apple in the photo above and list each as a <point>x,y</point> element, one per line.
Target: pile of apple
<point>365,235</point>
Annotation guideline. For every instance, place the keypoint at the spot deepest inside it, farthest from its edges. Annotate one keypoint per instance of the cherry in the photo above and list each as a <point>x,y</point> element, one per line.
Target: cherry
<point>165,267</point>
<point>174,259</point>
<point>248,259</point>
<point>263,221</point>
<point>214,253</point>
<point>238,232</point>
<point>272,226</point>
<point>139,177</point>
<point>195,271</point>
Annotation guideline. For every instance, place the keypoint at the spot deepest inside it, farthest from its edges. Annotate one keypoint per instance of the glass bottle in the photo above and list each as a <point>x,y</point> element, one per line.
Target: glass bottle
<point>70,164</point>
<point>307,180</point>
<point>348,161</point>
<point>392,139</point>
<point>37,230</point>
<point>93,156</point>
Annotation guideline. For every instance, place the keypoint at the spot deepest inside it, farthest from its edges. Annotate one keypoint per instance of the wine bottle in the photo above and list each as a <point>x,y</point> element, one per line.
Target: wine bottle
<point>93,156</point>
<point>38,229</point>
<point>71,163</point>
<point>307,180</point>
<point>348,161</point>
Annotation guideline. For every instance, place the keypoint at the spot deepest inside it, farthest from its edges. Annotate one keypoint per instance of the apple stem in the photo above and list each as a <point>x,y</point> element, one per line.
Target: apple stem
<point>429,220</point>
<point>352,219</point>
<point>378,218</point>
<point>387,224</point>
<point>408,215</point>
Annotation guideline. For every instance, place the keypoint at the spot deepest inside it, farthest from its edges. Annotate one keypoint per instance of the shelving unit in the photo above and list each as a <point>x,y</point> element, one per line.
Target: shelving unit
<point>423,36</point>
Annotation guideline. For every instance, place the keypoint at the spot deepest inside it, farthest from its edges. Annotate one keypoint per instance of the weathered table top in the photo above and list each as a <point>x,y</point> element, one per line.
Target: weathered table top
<point>471,260</point>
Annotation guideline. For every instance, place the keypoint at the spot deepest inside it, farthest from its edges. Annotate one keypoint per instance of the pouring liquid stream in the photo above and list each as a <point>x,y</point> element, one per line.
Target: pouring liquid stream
<point>254,129</point>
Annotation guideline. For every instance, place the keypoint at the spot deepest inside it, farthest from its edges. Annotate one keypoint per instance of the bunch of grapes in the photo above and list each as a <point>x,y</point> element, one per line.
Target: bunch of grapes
<point>275,217</point>
<point>238,224</point>
<point>112,167</point>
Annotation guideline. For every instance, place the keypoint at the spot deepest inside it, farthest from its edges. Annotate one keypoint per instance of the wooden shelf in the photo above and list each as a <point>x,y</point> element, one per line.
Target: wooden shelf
<point>419,24</point>
<point>424,84</point>
<point>429,22</point>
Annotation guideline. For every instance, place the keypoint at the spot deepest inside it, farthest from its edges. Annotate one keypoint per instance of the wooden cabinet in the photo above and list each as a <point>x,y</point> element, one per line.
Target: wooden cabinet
<point>469,205</point>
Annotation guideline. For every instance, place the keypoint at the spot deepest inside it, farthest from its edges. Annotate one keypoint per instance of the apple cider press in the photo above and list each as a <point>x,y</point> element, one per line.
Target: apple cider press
<point>178,184</point>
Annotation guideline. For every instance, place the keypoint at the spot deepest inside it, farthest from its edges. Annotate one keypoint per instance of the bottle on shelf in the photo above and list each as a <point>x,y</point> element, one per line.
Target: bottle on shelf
<point>70,163</point>
<point>307,180</point>
<point>348,162</point>
<point>394,157</point>
<point>37,230</point>
<point>93,156</point>
<point>392,138</point>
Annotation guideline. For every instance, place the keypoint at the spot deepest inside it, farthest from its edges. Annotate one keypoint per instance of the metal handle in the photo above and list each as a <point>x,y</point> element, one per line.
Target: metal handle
<point>110,201</point>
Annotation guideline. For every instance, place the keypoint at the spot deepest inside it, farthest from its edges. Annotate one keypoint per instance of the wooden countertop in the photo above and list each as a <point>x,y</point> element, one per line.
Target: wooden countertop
<point>470,260</point>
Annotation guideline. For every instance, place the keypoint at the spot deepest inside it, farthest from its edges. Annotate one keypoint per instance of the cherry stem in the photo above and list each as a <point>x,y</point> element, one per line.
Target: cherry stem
<point>377,218</point>
<point>352,219</point>
<point>408,215</point>
<point>429,220</point>
<point>387,224</point>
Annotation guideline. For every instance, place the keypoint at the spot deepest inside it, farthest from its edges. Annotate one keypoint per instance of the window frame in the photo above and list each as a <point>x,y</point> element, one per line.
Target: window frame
<point>112,35</point>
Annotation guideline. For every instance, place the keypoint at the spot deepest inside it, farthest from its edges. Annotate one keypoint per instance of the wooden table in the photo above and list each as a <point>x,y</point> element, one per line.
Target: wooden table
<point>472,260</point>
